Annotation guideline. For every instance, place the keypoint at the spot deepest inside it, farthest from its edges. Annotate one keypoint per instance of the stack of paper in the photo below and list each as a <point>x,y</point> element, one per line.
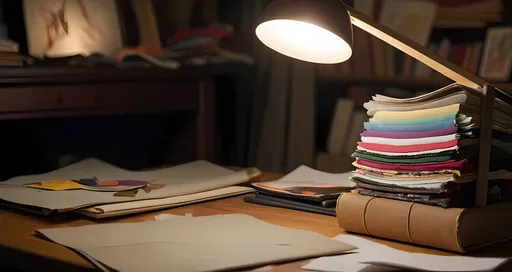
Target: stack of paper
<point>179,185</point>
<point>303,189</point>
<point>425,149</point>
<point>209,243</point>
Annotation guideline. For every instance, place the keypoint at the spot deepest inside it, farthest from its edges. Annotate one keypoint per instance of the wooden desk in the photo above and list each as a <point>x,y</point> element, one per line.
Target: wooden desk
<point>20,249</point>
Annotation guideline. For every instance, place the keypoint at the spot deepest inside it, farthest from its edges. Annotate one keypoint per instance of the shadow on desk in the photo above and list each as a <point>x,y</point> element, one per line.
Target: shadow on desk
<point>38,263</point>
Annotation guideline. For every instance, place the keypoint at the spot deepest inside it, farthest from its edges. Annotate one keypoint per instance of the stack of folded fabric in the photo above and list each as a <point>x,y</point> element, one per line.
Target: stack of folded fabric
<point>425,149</point>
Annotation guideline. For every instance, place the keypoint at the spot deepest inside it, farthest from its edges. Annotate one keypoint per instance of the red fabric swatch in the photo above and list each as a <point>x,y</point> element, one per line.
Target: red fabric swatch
<point>107,182</point>
<point>414,167</point>
<point>407,148</point>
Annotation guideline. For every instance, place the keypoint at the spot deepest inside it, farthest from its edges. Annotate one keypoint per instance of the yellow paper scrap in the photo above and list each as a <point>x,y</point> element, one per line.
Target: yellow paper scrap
<point>56,185</point>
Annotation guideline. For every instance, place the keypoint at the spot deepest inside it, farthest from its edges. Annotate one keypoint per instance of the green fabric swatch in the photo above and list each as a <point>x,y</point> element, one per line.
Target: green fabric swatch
<point>406,160</point>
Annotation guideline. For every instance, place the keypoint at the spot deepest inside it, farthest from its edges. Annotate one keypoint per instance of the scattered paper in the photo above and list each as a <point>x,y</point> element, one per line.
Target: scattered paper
<point>305,176</point>
<point>204,243</point>
<point>185,179</point>
<point>371,256</point>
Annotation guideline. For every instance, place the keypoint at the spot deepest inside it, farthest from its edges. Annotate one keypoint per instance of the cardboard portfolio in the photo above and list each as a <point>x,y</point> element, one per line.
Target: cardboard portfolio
<point>453,229</point>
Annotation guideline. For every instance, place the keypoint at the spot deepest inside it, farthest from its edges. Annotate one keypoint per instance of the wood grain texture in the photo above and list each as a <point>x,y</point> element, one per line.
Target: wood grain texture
<point>20,248</point>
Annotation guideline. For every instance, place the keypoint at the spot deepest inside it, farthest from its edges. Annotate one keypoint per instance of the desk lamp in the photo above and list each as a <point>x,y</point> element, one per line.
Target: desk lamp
<point>320,31</point>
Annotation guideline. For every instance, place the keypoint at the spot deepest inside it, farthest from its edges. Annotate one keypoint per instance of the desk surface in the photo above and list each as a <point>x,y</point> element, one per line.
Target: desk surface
<point>20,248</point>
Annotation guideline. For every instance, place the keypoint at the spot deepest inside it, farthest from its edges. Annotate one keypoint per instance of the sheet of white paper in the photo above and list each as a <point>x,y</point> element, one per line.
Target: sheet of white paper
<point>370,254</point>
<point>207,243</point>
<point>183,179</point>
<point>345,263</point>
<point>307,175</point>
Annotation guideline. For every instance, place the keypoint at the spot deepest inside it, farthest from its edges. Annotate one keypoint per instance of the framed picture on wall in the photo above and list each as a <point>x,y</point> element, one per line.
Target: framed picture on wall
<point>497,55</point>
<point>58,28</point>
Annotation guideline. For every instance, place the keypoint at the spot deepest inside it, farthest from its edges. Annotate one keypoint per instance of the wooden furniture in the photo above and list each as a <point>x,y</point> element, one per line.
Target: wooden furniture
<point>19,248</point>
<point>416,84</point>
<point>42,92</point>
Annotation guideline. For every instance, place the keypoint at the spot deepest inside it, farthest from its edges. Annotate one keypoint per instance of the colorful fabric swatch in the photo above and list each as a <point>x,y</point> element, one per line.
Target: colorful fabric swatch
<point>410,128</point>
<point>108,183</point>
<point>407,148</point>
<point>404,160</point>
<point>410,134</point>
<point>56,185</point>
<point>434,166</point>
<point>415,114</point>
<point>418,121</point>
<point>87,182</point>
<point>93,184</point>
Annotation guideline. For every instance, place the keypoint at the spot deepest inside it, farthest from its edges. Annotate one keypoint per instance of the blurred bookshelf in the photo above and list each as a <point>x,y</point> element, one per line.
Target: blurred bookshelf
<point>456,30</point>
<point>460,31</point>
<point>397,82</point>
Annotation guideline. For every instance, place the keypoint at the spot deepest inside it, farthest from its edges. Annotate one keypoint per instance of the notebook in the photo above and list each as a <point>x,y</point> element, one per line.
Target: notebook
<point>304,189</point>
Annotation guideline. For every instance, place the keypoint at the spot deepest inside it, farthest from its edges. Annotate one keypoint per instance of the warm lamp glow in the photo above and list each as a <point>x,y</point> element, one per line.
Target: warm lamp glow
<point>303,41</point>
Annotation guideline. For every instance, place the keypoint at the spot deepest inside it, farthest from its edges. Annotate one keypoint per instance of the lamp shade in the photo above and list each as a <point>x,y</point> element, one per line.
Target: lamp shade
<point>318,31</point>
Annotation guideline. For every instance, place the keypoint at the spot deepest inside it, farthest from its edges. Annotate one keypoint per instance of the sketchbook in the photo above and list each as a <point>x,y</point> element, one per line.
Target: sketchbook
<point>180,180</point>
<point>292,203</point>
<point>309,184</point>
<point>125,208</point>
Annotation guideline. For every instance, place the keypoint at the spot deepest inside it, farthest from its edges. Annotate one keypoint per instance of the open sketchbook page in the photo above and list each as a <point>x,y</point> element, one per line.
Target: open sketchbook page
<point>372,256</point>
<point>183,179</point>
<point>305,178</point>
<point>305,175</point>
<point>208,243</point>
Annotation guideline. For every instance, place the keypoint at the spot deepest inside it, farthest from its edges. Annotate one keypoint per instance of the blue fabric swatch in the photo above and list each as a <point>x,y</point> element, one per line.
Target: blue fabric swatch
<point>409,128</point>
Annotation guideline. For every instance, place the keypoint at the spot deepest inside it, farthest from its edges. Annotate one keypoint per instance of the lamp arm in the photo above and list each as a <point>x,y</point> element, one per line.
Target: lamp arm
<point>415,50</point>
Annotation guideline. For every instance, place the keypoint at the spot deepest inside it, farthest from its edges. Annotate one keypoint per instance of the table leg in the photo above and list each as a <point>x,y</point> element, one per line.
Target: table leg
<point>206,121</point>
<point>194,133</point>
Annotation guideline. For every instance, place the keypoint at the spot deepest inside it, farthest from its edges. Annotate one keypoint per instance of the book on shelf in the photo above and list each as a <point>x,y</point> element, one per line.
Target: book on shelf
<point>416,19</point>
<point>340,125</point>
